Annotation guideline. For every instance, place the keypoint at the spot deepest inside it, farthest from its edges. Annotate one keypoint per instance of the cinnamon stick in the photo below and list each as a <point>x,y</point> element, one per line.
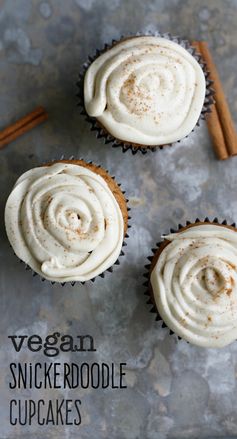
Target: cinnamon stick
<point>217,136</point>
<point>222,107</point>
<point>222,117</point>
<point>22,125</point>
<point>213,121</point>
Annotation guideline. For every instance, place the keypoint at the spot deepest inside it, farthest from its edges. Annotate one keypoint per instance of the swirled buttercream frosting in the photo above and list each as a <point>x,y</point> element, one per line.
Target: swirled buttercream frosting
<point>64,221</point>
<point>194,284</point>
<point>145,90</point>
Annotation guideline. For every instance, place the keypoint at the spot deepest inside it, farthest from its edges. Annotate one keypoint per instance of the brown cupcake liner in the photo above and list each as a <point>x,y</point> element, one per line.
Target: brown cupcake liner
<point>102,133</point>
<point>110,269</point>
<point>148,291</point>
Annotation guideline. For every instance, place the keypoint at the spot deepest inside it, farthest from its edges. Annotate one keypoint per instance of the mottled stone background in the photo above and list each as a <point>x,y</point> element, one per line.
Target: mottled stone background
<point>175,391</point>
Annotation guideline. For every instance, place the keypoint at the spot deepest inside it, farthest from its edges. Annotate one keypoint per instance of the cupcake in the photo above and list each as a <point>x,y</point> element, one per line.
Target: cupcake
<point>192,283</point>
<point>144,92</point>
<point>67,220</point>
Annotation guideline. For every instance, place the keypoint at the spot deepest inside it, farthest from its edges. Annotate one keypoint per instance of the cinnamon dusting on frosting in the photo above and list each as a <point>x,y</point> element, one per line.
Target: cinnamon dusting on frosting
<point>194,284</point>
<point>150,91</point>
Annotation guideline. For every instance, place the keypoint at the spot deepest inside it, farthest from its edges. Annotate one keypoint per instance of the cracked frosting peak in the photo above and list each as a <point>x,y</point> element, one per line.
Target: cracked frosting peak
<point>194,284</point>
<point>64,222</point>
<point>146,90</point>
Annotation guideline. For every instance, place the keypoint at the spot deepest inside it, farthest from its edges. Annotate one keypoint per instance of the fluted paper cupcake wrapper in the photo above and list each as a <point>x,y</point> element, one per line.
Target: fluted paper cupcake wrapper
<point>117,262</point>
<point>148,289</point>
<point>101,132</point>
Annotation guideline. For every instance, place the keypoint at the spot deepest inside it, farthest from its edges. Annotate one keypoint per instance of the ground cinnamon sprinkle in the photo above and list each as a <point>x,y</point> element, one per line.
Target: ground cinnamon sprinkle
<point>130,81</point>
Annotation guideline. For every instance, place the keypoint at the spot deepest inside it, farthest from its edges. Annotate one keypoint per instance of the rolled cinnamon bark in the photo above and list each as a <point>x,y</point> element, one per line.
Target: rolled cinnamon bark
<point>216,133</point>
<point>23,125</point>
<point>222,107</point>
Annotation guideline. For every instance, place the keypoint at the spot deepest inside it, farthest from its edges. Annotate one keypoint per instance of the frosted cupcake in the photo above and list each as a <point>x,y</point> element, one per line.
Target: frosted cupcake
<point>145,92</point>
<point>193,283</point>
<point>67,220</point>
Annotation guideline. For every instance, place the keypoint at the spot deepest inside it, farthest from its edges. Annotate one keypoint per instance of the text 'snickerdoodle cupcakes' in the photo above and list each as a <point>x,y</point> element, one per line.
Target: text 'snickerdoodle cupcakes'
<point>67,220</point>
<point>144,92</point>
<point>192,283</point>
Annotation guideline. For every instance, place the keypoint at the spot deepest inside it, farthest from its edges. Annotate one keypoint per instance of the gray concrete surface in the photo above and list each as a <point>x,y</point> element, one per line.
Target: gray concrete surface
<point>175,391</point>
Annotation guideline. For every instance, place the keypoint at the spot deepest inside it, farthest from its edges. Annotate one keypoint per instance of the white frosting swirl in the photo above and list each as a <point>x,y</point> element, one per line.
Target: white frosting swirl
<point>146,90</point>
<point>64,222</point>
<point>194,284</point>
